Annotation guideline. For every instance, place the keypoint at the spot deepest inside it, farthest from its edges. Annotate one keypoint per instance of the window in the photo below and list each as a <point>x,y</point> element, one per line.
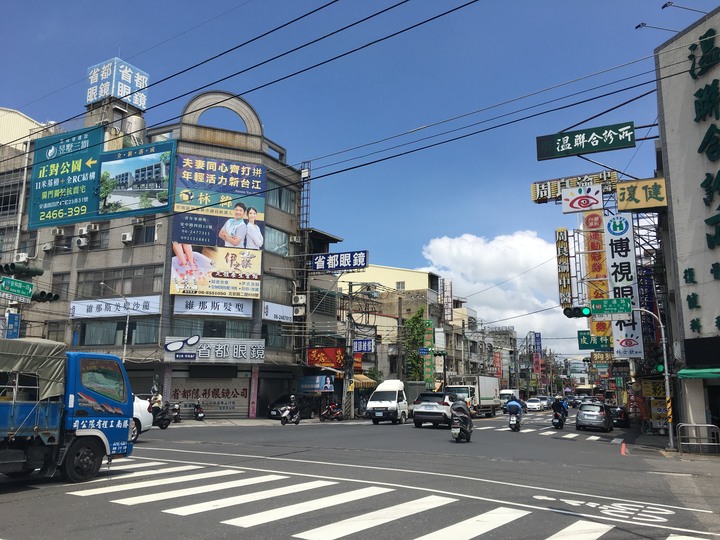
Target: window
<point>141,331</point>
<point>61,285</point>
<point>323,302</point>
<point>277,241</point>
<point>56,330</point>
<point>272,333</point>
<point>103,377</point>
<point>137,281</point>
<point>212,327</point>
<point>9,194</point>
<point>2,243</point>
<point>100,239</point>
<point>144,235</point>
<point>64,244</point>
<point>280,197</point>
<point>276,289</point>
<point>400,285</point>
<point>28,242</point>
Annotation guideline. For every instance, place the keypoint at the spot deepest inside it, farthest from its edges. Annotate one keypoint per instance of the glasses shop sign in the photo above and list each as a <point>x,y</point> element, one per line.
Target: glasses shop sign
<point>204,350</point>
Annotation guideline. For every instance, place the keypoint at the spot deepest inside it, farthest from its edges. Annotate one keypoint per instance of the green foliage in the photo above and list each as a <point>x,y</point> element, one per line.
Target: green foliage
<point>145,200</point>
<point>413,334</point>
<point>375,374</point>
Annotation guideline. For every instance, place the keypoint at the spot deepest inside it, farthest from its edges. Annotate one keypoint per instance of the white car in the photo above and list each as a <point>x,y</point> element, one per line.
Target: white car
<point>142,417</point>
<point>534,404</point>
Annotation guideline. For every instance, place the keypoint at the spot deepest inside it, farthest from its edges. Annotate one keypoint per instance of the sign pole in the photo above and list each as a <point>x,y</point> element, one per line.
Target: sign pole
<point>663,344</point>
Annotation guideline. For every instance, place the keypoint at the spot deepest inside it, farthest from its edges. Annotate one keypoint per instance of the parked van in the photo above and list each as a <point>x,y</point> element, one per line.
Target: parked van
<point>388,402</point>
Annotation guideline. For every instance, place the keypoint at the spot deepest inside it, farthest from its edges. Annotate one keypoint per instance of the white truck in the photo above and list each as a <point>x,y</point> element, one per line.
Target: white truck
<point>507,393</point>
<point>481,393</point>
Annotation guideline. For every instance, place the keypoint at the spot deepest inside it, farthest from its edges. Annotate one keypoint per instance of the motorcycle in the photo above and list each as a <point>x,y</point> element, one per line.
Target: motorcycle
<point>558,420</point>
<point>461,426</point>
<point>290,414</point>
<point>332,412</point>
<point>176,418</point>
<point>198,411</point>
<point>161,416</point>
<point>514,422</point>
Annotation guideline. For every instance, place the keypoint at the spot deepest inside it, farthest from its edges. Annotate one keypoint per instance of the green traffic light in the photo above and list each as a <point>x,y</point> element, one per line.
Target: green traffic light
<point>586,312</point>
<point>660,368</point>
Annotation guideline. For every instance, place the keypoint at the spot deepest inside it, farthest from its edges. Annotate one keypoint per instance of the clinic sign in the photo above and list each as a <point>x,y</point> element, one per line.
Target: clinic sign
<point>203,350</point>
<point>115,78</point>
<point>586,141</point>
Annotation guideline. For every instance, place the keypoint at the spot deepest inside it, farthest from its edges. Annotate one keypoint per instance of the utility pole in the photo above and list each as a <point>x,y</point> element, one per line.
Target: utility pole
<point>402,366</point>
<point>348,383</point>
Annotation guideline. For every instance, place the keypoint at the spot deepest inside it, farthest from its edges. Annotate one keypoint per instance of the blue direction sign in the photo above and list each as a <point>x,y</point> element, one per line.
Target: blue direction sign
<point>13,326</point>
<point>423,351</point>
<point>65,185</point>
<point>363,345</point>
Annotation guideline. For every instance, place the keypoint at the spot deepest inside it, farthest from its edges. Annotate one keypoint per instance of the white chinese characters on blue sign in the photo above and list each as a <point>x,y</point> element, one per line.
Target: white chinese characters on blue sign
<point>337,262</point>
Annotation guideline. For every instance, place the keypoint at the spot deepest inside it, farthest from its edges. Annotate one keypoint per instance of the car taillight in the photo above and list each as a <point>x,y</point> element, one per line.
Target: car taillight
<point>447,404</point>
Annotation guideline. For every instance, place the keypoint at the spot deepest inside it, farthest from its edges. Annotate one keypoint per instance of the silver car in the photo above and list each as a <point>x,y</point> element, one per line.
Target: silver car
<point>594,415</point>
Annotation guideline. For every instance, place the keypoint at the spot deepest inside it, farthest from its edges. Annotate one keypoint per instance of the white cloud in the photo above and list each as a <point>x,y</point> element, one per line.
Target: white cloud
<point>506,280</point>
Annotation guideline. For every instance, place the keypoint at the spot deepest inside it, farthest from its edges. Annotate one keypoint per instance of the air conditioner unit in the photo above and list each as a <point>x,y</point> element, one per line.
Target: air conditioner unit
<point>48,246</point>
<point>298,311</point>
<point>93,227</point>
<point>21,258</point>
<point>57,232</point>
<point>296,239</point>
<point>127,238</point>
<point>82,243</point>
<point>82,231</point>
<point>299,299</point>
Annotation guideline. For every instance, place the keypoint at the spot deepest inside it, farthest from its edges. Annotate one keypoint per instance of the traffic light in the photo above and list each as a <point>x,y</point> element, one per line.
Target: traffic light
<point>14,269</point>
<point>659,367</point>
<point>45,296</point>
<point>577,312</point>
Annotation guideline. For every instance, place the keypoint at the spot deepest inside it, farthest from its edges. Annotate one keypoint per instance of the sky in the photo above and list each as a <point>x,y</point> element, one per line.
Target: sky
<point>419,125</point>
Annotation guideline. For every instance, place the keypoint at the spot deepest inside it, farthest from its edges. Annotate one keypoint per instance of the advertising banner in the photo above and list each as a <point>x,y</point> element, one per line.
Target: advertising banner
<point>115,307</point>
<point>216,395</point>
<point>218,233</point>
<point>332,357</point>
<point>206,350</point>
<point>313,384</point>
<point>211,305</point>
<point>116,78</point>
<point>596,266</point>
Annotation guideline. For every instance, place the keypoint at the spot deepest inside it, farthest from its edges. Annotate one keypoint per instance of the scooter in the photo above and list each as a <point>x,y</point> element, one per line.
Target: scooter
<point>198,411</point>
<point>461,427</point>
<point>332,412</point>
<point>161,416</point>
<point>514,422</point>
<point>290,414</point>
<point>176,413</point>
<point>558,420</point>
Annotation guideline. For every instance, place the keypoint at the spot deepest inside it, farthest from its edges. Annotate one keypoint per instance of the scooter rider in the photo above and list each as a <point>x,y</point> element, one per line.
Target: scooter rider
<point>514,407</point>
<point>156,403</point>
<point>560,407</point>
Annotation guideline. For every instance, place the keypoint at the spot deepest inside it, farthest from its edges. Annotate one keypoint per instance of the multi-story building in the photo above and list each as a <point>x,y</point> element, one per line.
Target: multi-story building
<point>145,235</point>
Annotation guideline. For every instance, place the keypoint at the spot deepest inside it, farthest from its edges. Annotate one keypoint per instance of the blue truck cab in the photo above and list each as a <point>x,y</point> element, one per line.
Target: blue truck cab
<point>61,410</point>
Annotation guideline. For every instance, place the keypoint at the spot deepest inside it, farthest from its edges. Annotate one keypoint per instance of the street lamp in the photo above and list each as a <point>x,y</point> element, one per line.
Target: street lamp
<point>663,344</point>
<point>673,4</point>
<point>127,318</point>
<point>645,25</point>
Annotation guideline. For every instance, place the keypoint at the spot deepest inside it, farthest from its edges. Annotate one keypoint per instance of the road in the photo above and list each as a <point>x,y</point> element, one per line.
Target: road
<point>258,479</point>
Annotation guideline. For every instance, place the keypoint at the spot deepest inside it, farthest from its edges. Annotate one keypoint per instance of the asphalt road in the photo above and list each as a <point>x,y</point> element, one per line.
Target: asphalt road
<point>258,479</point>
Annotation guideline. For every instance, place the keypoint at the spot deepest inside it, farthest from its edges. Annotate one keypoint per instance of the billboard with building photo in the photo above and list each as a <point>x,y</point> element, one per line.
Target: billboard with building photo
<point>219,227</point>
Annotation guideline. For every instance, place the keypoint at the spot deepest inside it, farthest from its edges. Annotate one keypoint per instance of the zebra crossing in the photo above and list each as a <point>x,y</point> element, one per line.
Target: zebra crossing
<point>221,495</point>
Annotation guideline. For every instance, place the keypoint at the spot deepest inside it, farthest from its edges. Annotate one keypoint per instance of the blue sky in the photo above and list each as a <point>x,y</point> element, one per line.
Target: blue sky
<point>462,208</point>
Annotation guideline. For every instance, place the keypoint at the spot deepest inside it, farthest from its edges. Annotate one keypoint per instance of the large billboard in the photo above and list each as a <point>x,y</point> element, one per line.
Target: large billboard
<point>218,228</point>
<point>74,181</point>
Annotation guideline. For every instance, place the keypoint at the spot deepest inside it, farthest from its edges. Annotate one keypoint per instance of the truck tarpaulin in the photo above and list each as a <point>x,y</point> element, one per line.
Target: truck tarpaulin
<point>34,355</point>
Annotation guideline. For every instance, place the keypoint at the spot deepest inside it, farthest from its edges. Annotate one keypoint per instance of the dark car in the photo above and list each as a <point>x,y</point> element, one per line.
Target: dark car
<point>620,417</point>
<point>594,415</point>
<point>433,407</point>
<point>308,406</point>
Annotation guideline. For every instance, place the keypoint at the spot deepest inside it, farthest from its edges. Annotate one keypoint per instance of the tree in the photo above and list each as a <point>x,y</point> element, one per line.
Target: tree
<point>412,340</point>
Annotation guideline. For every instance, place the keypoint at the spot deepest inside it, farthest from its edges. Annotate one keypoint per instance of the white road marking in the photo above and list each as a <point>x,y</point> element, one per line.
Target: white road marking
<point>153,484</point>
<point>246,498</point>
<point>473,527</point>
<point>592,438</point>
<point>570,436</point>
<point>360,523</point>
<point>140,474</point>
<point>617,440</point>
<point>308,506</point>
<point>547,433</point>
<point>582,530</point>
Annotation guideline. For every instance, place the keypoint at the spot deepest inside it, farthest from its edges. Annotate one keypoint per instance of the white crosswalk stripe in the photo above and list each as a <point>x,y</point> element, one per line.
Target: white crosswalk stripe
<point>308,506</point>
<point>247,498</point>
<point>582,530</point>
<point>373,519</point>
<point>474,527</point>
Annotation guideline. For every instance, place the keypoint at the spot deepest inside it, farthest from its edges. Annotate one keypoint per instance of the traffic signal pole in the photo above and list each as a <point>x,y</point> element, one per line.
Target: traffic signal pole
<point>668,401</point>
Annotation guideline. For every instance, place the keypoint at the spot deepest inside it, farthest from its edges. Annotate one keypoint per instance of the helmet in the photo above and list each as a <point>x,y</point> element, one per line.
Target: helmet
<point>292,398</point>
<point>558,397</point>
<point>453,397</point>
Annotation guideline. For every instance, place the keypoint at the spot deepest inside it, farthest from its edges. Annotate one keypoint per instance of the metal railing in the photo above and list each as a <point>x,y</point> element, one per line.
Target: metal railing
<point>698,438</point>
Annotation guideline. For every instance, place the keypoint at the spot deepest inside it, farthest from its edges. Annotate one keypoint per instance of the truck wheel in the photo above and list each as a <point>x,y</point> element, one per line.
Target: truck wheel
<point>83,460</point>
<point>135,431</point>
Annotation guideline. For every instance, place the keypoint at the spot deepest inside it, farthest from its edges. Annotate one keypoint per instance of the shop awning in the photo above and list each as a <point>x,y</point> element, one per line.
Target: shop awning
<point>699,373</point>
<point>361,381</point>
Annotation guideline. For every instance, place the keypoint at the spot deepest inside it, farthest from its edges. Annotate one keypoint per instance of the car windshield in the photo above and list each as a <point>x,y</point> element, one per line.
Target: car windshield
<point>431,396</point>
<point>383,395</point>
<point>461,393</point>
<point>591,407</point>
<point>533,400</point>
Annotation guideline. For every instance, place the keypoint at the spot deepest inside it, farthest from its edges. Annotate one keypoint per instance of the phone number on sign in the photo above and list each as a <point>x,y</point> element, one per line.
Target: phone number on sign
<point>60,213</point>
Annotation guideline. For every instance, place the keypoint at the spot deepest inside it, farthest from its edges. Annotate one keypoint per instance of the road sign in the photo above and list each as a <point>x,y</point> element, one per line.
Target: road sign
<point>423,351</point>
<point>611,309</point>
<point>13,326</point>
<point>16,289</point>
<point>363,345</point>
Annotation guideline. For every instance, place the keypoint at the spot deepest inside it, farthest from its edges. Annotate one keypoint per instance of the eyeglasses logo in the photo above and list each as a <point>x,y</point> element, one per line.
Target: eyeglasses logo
<point>173,346</point>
